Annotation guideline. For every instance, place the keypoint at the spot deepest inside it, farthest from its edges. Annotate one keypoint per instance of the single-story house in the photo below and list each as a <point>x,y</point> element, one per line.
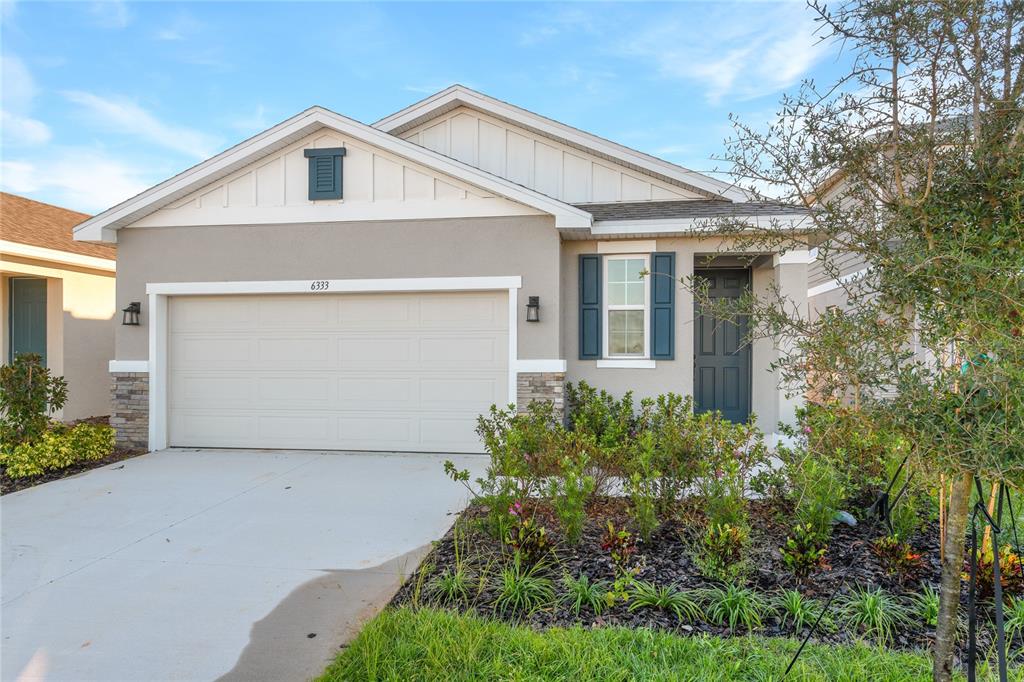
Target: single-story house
<point>58,300</point>
<point>329,284</point>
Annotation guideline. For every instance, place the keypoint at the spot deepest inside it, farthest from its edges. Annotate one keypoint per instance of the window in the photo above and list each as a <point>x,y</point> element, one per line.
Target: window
<point>626,297</point>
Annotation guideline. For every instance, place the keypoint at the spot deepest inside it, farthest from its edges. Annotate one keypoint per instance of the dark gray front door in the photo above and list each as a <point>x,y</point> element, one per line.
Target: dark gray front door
<point>721,359</point>
<point>28,317</point>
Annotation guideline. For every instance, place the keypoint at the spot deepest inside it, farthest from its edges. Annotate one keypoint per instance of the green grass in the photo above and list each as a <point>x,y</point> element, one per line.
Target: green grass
<point>428,644</point>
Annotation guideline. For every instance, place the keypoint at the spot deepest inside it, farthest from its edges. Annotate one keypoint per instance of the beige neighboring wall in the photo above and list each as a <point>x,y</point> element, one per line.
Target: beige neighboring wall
<point>526,246</point>
<point>79,328</point>
<point>768,402</point>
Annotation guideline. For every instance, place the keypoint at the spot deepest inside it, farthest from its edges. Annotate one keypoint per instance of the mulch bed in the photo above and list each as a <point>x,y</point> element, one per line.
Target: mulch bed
<point>667,560</point>
<point>13,485</point>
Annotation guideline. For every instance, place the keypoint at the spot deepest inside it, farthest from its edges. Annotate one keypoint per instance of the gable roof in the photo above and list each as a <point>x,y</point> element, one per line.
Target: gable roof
<point>33,223</point>
<point>663,210</point>
<point>457,96</point>
<point>103,227</point>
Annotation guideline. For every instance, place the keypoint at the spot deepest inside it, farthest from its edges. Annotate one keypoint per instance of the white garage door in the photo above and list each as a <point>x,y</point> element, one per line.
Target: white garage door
<point>336,371</point>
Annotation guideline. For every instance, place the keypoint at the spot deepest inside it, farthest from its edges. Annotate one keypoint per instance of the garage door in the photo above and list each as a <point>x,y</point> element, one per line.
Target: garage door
<point>336,371</point>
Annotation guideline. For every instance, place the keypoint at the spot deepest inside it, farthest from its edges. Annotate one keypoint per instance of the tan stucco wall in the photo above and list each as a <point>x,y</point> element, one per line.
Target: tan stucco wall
<point>677,375</point>
<point>527,246</point>
<point>79,328</point>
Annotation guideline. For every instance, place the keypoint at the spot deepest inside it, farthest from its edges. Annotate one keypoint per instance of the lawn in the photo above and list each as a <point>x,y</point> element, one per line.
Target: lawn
<point>430,644</point>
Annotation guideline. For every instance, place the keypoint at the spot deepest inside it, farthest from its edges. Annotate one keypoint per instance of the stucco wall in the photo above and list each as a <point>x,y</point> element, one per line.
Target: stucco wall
<point>79,328</point>
<point>527,246</point>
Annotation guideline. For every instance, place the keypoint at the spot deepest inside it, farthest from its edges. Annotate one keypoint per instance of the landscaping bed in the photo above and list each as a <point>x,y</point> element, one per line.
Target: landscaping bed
<point>427,644</point>
<point>667,559</point>
<point>12,485</point>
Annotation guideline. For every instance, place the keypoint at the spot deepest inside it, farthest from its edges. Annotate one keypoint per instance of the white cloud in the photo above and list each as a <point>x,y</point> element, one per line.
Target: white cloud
<point>124,116</point>
<point>82,179</point>
<point>110,14</point>
<point>17,127</point>
<point>737,51</point>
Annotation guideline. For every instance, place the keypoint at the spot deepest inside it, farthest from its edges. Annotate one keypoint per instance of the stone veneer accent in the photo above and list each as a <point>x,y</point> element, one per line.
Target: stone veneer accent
<point>129,413</point>
<point>531,386</point>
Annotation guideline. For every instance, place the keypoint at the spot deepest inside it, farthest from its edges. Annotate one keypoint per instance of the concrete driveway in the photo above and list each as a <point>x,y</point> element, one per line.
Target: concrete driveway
<point>202,564</point>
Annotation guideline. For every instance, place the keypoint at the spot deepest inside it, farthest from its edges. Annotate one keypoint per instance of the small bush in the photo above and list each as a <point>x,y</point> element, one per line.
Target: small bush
<point>522,590</point>
<point>583,592</point>
<point>29,394</point>
<point>642,487</point>
<point>734,606</point>
<point>804,551</point>
<point>927,606</point>
<point>1011,572</point>
<point>817,491</point>
<point>597,413</point>
<point>59,448</point>
<point>570,491</point>
<point>667,598</point>
<point>526,538</point>
<point>897,556</point>
<point>794,608</point>
<point>721,553</point>
<point>451,586</point>
<point>875,613</point>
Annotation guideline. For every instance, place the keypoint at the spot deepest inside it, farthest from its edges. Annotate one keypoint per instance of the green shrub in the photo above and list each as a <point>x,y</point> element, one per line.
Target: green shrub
<point>731,454</point>
<point>522,590</point>
<point>722,550</point>
<point>29,394</point>
<point>679,445</point>
<point>667,598</point>
<point>642,487</point>
<point>927,606</point>
<point>570,491</point>
<point>794,608</point>
<point>526,538</point>
<point>816,489</point>
<point>59,448</point>
<point>804,551</point>
<point>875,613</point>
<point>733,605</point>
<point>898,557</point>
<point>583,591</point>
<point>597,413</point>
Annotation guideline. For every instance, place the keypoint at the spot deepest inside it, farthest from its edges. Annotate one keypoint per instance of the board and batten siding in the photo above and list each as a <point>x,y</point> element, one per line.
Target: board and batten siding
<point>377,185</point>
<point>537,162</point>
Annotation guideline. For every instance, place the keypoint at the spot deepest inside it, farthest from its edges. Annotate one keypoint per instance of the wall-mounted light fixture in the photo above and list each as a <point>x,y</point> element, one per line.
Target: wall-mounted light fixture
<point>130,315</point>
<point>533,309</point>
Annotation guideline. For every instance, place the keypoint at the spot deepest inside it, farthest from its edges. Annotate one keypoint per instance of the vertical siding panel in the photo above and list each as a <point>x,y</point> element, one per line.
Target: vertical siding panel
<point>492,148</point>
<point>575,178</point>
<point>547,169</point>
<point>520,159</point>
<point>464,142</point>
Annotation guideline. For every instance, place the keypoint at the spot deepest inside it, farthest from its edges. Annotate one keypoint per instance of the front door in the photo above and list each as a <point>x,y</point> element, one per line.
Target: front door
<point>28,317</point>
<point>721,358</point>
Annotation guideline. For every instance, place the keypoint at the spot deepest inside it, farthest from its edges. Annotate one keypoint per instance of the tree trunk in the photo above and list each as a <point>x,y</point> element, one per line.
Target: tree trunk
<point>952,566</point>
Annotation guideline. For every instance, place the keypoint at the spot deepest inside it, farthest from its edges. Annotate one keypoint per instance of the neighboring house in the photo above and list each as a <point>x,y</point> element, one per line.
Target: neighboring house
<point>331,284</point>
<point>58,299</point>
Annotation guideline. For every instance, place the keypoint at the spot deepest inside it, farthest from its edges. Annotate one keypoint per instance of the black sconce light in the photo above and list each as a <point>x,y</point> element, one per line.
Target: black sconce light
<point>533,309</point>
<point>130,317</point>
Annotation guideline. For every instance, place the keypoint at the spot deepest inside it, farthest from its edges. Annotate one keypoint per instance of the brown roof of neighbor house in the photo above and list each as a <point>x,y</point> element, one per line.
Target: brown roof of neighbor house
<point>32,222</point>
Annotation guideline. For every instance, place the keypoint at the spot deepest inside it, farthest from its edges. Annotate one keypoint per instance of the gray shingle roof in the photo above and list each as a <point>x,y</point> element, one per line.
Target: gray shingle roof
<point>667,210</point>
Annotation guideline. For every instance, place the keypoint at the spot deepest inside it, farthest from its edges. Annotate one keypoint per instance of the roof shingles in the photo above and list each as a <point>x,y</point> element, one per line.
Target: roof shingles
<point>37,224</point>
<point>686,210</point>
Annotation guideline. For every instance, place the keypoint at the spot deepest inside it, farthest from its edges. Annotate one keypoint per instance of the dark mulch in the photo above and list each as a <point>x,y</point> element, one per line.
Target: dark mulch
<point>13,485</point>
<point>667,559</point>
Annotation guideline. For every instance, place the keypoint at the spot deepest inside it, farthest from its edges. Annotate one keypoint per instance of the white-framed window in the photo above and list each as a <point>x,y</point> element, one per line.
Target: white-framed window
<point>627,300</point>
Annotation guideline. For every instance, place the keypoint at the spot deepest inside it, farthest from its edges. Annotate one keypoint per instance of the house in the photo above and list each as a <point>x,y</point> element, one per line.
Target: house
<point>331,284</point>
<point>58,299</point>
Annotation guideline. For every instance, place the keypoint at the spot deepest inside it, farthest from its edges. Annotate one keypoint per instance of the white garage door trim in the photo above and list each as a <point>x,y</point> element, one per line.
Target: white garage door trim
<point>159,292</point>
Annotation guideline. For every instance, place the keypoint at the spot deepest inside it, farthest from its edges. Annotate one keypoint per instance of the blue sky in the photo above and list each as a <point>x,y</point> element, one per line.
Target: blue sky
<point>101,100</point>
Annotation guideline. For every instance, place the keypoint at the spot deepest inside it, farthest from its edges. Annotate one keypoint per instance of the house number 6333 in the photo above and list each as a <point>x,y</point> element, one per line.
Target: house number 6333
<point>319,285</point>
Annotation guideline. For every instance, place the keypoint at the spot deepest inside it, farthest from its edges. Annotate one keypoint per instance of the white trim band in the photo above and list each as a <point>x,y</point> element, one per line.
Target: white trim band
<point>792,257</point>
<point>626,364</point>
<point>540,365</point>
<point>335,286</point>
<point>627,246</point>
<point>57,256</point>
<point>136,366</point>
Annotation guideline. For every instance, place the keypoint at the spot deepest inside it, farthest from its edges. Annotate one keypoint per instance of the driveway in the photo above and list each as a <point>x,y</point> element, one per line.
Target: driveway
<point>201,564</point>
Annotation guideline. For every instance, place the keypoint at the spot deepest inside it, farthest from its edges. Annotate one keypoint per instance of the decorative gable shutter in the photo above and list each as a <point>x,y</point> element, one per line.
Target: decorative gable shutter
<point>590,306</point>
<point>663,296</point>
<point>325,173</point>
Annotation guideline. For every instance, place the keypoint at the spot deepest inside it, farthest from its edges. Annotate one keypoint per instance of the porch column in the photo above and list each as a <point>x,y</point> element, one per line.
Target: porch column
<point>791,280</point>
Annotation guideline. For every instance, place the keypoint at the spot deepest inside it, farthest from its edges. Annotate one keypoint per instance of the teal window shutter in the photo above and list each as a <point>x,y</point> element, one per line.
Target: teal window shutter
<point>590,307</point>
<point>325,172</point>
<point>663,296</point>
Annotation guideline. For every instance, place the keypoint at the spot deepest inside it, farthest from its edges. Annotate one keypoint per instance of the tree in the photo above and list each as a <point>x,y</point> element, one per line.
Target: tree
<point>912,164</point>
